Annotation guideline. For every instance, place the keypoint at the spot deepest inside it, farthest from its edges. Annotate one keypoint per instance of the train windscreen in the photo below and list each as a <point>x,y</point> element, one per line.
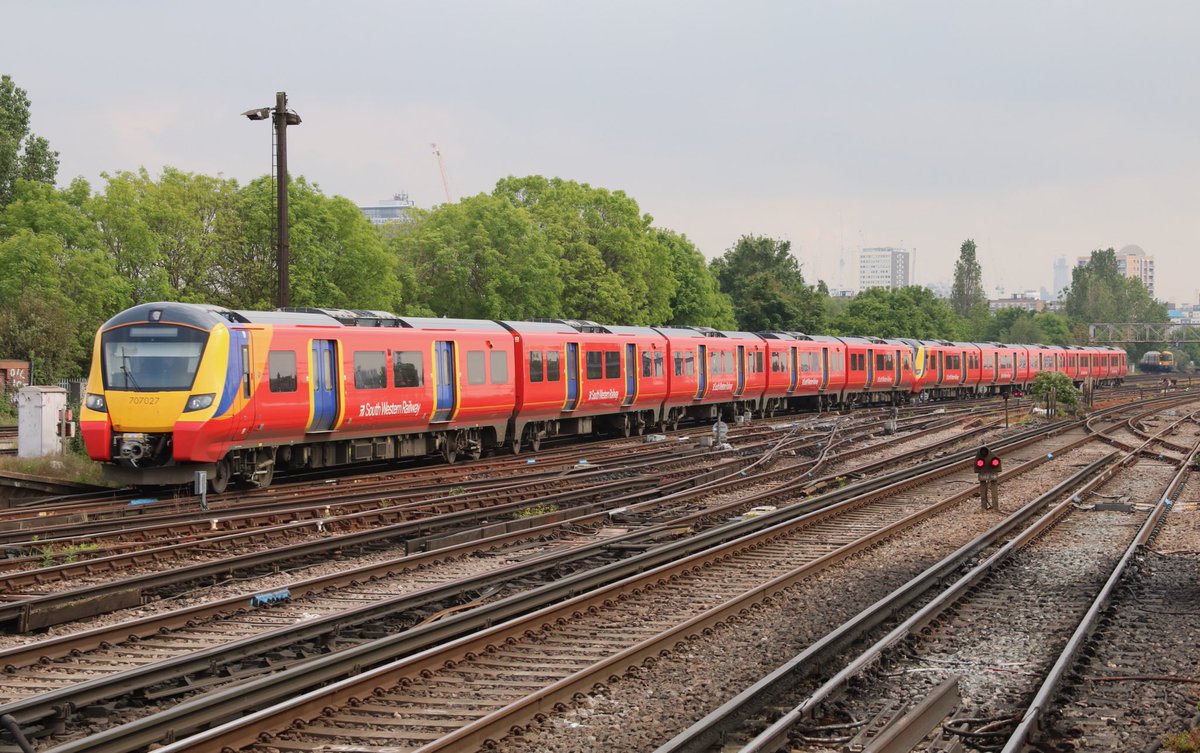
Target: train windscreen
<point>152,357</point>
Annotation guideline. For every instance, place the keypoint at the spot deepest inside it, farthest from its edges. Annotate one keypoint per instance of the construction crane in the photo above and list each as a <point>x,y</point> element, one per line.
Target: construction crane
<point>442,166</point>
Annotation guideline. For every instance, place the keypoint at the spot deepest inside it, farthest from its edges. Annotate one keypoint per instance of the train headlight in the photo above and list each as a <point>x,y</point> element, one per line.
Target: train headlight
<point>96,403</point>
<point>198,402</point>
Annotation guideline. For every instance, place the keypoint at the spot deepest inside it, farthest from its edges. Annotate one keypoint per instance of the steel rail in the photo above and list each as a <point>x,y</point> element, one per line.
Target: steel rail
<point>776,735</point>
<point>1027,728</point>
<point>222,704</point>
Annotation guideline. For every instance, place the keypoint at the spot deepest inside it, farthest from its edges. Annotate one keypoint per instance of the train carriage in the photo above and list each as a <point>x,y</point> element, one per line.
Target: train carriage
<point>238,393</point>
<point>575,377</point>
<point>806,372</point>
<point>178,388</point>
<point>710,374</point>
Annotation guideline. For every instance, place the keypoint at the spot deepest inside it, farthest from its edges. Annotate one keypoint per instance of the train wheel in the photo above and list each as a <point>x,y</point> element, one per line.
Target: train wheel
<point>263,479</point>
<point>449,448</point>
<point>534,439</point>
<point>626,426</point>
<point>515,444</point>
<point>220,478</point>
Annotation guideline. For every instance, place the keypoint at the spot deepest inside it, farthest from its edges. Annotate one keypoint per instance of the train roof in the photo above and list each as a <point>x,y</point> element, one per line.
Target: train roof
<point>192,314</point>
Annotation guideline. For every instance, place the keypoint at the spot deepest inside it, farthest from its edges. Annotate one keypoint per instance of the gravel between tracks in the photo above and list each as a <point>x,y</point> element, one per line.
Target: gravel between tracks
<point>639,713</point>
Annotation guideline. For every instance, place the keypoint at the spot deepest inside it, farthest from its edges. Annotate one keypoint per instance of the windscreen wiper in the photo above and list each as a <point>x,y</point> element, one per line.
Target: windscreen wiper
<point>128,374</point>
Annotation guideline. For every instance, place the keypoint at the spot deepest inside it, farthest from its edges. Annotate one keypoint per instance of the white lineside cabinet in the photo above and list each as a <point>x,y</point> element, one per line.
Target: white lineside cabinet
<point>37,421</point>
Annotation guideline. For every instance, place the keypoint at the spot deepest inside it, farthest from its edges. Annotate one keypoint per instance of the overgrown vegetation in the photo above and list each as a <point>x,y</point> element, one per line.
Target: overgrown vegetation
<point>1183,742</point>
<point>1066,397</point>
<point>65,554</point>
<point>535,510</point>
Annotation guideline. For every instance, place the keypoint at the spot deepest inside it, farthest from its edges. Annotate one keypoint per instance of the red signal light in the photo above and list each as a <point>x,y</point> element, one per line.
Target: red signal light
<point>979,463</point>
<point>995,462</point>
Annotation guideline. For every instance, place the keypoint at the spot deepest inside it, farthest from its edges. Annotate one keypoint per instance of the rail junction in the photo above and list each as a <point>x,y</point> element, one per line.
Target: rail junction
<point>821,581</point>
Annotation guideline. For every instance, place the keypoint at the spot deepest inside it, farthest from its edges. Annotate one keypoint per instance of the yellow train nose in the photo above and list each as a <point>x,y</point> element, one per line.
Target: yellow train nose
<point>145,411</point>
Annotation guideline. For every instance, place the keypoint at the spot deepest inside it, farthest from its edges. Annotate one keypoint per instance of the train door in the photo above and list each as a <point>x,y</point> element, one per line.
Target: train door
<point>995,366</point>
<point>899,377</point>
<point>630,373</point>
<point>741,370</point>
<point>572,376</point>
<point>444,379</point>
<point>793,369</point>
<point>323,381</point>
<point>870,367</point>
<point>941,366</point>
<point>702,372</point>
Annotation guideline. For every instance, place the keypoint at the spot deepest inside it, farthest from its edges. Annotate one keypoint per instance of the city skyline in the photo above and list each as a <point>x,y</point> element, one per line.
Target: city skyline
<point>1036,130</point>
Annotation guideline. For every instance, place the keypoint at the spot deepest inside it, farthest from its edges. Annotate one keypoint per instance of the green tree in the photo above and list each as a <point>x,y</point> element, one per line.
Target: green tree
<point>337,258</point>
<point>23,155</point>
<point>967,294</point>
<point>168,237</point>
<point>611,268</point>
<point>1100,293</point>
<point>767,287</point>
<point>698,299</point>
<point>481,258</point>
<point>51,247</point>
<point>913,311</point>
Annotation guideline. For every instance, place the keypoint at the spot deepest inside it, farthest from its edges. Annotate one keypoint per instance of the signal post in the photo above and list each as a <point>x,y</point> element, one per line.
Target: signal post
<point>987,470</point>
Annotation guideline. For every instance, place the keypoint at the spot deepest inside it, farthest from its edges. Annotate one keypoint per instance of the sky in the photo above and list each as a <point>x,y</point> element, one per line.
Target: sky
<point>1038,129</point>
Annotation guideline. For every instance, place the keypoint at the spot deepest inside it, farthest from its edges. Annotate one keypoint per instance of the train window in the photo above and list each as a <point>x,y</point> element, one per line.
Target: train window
<point>729,362</point>
<point>647,363</point>
<point>475,367</point>
<point>370,370</point>
<point>281,371</point>
<point>408,368</point>
<point>714,363</point>
<point>839,361</point>
<point>595,364</point>
<point>612,364</point>
<point>678,363</point>
<point>499,367</point>
<point>535,365</point>
<point>659,356</point>
<point>245,371</point>
<point>552,370</point>
<point>689,363</point>
<point>758,362</point>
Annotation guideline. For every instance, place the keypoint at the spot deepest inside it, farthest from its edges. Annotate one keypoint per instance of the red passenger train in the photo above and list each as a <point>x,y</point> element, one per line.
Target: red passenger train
<point>177,388</point>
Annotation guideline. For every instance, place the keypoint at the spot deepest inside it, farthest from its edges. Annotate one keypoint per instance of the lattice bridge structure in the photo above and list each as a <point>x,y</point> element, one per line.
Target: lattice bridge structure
<point>1140,332</point>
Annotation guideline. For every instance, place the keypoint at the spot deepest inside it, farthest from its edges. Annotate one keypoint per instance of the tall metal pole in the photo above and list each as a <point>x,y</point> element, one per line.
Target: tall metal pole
<point>281,188</point>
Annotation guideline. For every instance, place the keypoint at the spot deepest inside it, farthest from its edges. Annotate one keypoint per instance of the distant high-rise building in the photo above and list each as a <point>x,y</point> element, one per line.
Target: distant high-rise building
<point>394,209</point>
<point>1132,261</point>
<point>883,268</point>
<point>1062,277</point>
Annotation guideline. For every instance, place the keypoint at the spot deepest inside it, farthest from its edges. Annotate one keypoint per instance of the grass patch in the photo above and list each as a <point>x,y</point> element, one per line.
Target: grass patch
<point>65,555</point>
<point>529,512</point>
<point>64,467</point>
<point>1183,742</point>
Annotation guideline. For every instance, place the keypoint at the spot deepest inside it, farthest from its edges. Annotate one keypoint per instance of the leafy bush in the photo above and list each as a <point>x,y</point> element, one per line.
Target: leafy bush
<point>1066,395</point>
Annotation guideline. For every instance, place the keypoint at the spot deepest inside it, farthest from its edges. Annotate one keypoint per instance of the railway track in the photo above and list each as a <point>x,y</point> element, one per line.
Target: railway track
<point>965,666</point>
<point>1035,462</point>
<point>73,647</point>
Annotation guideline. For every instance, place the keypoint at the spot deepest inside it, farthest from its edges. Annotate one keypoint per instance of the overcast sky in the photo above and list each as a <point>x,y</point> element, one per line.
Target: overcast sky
<point>1036,128</point>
